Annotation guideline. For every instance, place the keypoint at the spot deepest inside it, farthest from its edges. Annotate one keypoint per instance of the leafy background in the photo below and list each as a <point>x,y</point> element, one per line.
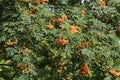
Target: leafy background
<point>37,45</point>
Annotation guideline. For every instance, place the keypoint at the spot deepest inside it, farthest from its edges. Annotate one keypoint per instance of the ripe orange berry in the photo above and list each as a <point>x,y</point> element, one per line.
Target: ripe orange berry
<point>21,65</point>
<point>64,17</point>
<point>26,0</point>
<point>10,43</point>
<point>83,70</point>
<point>50,26</point>
<point>41,1</point>
<point>73,29</point>
<point>84,44</point>
<point>60,21</point>
<point>8,61</point>
<point>59,71</point>
<point>114,73</point>
<point>30,66</point>
<point>61,64</point>
<point>27,71</point>
<point>52,19</point>
<point>102,4</point>
<point>83,12</point>
<point>61,42</point>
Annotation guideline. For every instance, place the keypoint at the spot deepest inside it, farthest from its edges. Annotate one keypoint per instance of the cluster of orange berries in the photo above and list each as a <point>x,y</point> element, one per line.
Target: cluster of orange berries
<point>84,44</point>
<point>21,65</point>
<point>38,1</point>
<point>114,73</point>
<point>8,61</point>
<point>41,1</point>
<point>73,29</point>
<point>52,19</point>
<point>61,42</point>
<point>83,12</point>
<point>62,19</point>
<point>59,70</point>
<point>10,43</point>
<point>27,51</point>
<point>102,4</point>
<point>61,64</point>
<point>26,0</point>
<point>24,68</point>
<point>83,70</point>
<point>50,26</point>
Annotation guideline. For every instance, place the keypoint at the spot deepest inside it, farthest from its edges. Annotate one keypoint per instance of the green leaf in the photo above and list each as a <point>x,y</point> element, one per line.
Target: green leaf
<point>11,51</point>
<point>107,78</point>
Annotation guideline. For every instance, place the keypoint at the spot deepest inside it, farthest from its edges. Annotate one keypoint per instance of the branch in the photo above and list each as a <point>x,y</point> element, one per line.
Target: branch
<point>5,65</point>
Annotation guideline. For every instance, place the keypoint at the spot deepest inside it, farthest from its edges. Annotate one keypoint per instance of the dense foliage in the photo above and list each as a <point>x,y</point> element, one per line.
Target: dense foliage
<point>59,39</point>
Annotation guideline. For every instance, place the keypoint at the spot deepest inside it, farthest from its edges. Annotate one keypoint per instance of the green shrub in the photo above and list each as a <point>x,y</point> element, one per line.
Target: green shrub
<point>59,39</point>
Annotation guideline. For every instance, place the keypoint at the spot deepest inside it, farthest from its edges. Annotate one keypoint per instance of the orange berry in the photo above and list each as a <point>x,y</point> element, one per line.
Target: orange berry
<point>30,66</point>
<point>10,43</point>
<point>64,17</point>
<point>102,4</point>
<point>37,0</point>
<point>83,12</point>
<point>61,42</point>
<point>41,1</point>
<point>27,71</point>
<point>73,29</point>
<point>52,19</point>
<point>61,64</point>
<point>59,71</point>
<point>8,61</point>
<point>50,26</point>
<point>21,65</point>
<point>60,21</point>
<point>112,71</point>
<point>84,44</point>
<point>26,0</point>
<point>83,70</point>
<point>116,74</point>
